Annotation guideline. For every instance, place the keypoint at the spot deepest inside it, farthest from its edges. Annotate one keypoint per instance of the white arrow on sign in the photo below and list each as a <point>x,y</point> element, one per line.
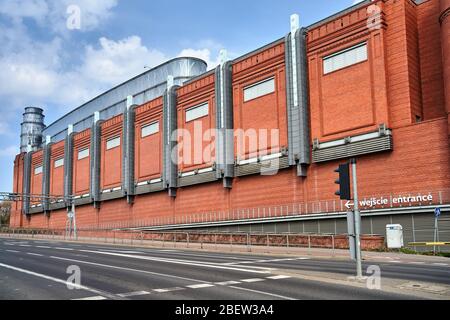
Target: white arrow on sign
<point>349,204</point>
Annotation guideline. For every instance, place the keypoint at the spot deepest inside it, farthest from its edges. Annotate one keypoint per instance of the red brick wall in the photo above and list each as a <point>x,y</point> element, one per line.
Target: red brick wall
<point>264,113</point>
<point>409,167</point>
<point>445,36</point>
<point>196,149</point>
<point>412,38</point>
<point>57,174</point>
<point>352,100</point>
<point>16,213</point>
<point>430,60</point>
<point>81,172</point>
<point>388,88</point>
<point>149,164</point>
<point>36,179</point>
<point>111,160</point>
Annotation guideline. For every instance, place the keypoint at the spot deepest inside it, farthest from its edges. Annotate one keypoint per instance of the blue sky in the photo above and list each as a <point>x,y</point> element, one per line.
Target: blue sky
<point>45,64</point>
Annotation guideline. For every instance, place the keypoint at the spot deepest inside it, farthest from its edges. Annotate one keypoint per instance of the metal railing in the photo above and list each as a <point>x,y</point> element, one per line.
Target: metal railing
<point>326,207</point>
<point>193,239</point>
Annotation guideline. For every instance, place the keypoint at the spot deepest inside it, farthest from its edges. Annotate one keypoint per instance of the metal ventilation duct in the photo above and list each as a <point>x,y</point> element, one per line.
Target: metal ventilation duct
<point>32,127</point>
<point>143,88</point>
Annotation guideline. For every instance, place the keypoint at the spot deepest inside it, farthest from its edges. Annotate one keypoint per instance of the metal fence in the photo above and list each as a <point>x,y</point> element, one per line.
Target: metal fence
<point>194,239</point>
<point>439,198</point>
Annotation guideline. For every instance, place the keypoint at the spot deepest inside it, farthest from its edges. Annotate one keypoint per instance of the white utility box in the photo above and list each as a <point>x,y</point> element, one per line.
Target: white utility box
<point>394,236</point>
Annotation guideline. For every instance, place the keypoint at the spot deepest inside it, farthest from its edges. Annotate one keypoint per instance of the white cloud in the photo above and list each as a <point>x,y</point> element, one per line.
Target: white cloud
<point>357,1</point>
<point>35,9</point>
<point>33,73</point>
<point>117,61</point>
<point>93,13</point>
<point>38,73</point>
<point>204,54</point>
<point>207,50</point>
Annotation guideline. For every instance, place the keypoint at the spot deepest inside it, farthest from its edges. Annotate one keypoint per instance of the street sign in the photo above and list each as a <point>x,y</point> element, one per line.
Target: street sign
<point>349,205</point>
<point>437,212</point>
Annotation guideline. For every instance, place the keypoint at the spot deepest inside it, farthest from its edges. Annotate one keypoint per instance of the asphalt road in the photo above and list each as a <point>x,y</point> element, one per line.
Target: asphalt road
<point>39,270</point>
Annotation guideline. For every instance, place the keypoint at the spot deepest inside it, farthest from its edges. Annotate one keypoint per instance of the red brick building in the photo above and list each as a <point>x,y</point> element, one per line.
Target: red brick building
<point>371,82</point>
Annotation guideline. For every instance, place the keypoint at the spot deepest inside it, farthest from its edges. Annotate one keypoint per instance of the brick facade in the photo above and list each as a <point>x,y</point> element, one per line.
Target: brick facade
<point>404,84</point>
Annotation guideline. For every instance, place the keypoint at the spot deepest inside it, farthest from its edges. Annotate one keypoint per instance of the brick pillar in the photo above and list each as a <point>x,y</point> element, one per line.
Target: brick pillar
<point>444,19</point>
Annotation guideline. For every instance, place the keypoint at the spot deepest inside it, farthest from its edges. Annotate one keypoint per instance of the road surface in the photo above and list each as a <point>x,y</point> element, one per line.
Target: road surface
<point>40,269</point>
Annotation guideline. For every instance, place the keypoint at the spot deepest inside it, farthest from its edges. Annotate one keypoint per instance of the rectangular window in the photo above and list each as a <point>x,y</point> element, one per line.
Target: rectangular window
<point>197,112</point>
<point>59,163</point>
<point>345,58</point>
<point>38,170</point>
<point>259,89</point>
<point>113,143</point>
<point>150,129</point>
<point>83,154</point>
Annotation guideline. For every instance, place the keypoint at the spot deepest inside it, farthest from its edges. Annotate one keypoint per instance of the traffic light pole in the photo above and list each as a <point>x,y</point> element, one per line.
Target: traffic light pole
<point>357,221</point>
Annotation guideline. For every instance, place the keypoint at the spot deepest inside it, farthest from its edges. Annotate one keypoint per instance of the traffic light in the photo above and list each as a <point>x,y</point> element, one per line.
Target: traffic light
<point>344,182</point>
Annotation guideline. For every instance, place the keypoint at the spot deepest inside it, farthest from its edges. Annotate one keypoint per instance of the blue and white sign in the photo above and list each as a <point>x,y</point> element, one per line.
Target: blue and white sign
<point>437,212</point>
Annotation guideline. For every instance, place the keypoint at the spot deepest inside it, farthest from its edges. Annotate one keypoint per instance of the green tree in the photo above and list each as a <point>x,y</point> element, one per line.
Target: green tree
<point>5,213</point>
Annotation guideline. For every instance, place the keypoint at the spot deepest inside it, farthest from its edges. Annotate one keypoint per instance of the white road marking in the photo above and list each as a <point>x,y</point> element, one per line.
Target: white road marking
<point>13,251</point>
<point>43,247</point>
<point>134,294</point>
<point>176,261</point>
<point>280,277</point>
<point>395,261</point>
<point>441,264</point>
<point>128,269</point>
<point>35,254</point>
<point>200,286</point>
<point>265,261</point>
<point>74,285</point>
<point>252,280</point>
<point>227,283</point>
<point>24,245</point>
<point>264,293</point>
<point>120,251</point>
<point>96,298</point>
<point>206,256</point>
<point>168,290</point>
<point>417,262</point>
<point>65,249</point>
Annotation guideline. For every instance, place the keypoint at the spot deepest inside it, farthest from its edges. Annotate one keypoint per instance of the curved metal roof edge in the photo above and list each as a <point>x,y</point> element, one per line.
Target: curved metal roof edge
<point>125,82</point>
<point>119,102</point>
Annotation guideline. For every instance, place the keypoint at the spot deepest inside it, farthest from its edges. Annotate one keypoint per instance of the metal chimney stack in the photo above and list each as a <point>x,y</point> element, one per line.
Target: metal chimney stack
<point>32,127</point>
